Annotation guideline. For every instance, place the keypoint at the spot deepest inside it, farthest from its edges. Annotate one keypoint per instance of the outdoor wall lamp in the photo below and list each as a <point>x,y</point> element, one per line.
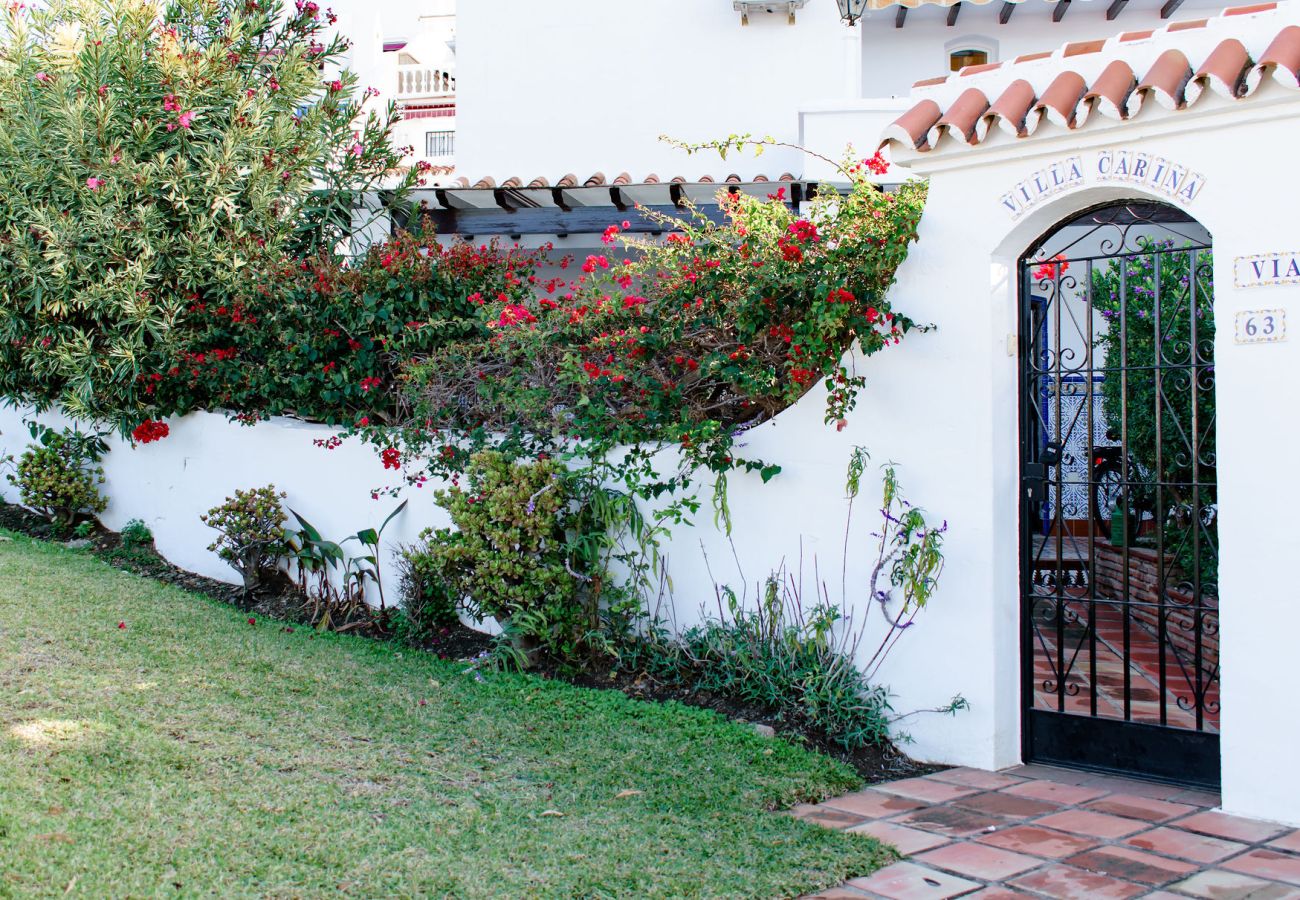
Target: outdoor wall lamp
<point>851,10</point>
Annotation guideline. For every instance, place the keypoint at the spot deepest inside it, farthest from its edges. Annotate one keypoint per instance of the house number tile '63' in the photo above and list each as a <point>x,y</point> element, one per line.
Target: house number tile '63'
<point>1260,326</point>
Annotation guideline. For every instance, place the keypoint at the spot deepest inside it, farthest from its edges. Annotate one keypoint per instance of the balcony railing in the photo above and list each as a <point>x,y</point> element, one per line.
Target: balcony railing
<point>416,81</point>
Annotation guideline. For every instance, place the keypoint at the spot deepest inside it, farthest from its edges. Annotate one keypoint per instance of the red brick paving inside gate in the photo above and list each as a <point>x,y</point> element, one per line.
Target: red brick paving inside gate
<point>1038,831</point>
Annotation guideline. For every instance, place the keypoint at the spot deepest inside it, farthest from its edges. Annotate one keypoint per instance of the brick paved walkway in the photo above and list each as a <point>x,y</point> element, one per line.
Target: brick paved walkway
<point>1037,831</point>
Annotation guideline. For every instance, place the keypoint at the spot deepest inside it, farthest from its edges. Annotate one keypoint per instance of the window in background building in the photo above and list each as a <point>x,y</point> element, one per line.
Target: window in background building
<point>959,59</point>
<point>439,143</point>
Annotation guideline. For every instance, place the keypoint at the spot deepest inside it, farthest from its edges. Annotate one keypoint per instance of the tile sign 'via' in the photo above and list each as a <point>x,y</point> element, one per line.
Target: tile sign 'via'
<point>1266,269</point>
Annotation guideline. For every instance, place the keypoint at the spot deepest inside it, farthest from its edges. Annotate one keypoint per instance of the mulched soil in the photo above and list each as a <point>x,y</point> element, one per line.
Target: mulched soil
<point>284,601</point>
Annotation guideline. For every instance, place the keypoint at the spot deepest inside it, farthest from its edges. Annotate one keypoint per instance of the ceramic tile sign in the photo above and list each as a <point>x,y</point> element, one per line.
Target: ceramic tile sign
<point>1155,174</point>
<point>1259,326</point>
<point>1266,269</point>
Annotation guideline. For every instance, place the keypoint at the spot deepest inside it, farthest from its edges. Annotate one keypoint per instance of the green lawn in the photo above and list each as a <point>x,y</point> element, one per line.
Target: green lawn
<point>192,753</point>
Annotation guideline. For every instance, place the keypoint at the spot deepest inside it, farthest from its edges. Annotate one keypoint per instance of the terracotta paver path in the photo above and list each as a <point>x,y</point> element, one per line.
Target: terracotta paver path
<point>1038,831</point>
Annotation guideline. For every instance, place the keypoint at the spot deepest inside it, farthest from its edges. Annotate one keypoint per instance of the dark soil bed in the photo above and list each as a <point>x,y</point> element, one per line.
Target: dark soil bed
<point>284,601</point>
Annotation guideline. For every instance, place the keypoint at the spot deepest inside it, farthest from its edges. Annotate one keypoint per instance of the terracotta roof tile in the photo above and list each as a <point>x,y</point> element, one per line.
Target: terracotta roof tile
<point>1011,110</point>
<point>512,182</point>
<point>955,110</point>
<point>622,178</point>
<point>983,67</point>
<point>595,179</point>
<point>1061,99</point>
<point>1111,90</point>
<point>1281,61</point>
<point>539,182</point>
<point>569,180</point>
<point>962,117</point>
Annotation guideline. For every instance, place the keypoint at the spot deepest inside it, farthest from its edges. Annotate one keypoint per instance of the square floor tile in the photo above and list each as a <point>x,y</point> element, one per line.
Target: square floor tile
<point>1055,793</point>
<point>1009,805</point>
<point>1234,828</point>
<point>1169,841</point>
<point>1289,841</point>
<point>979,861</point>
<point>907,841</point>
<point>1092,824</point>
<point>998,892</point>
<point>951,821</point>
<point>836,893</point>
<point>1067,883</point>
<point>1275,865</point>
<point>909,881</point>
<point>926,790</point>
<point>1133,806</point>
<point>1132,865</point>
<point>976,778</point>
<point>825,816</point>
<point>1038,841</point>
<point>873,804</point>
<point>1216,884</point>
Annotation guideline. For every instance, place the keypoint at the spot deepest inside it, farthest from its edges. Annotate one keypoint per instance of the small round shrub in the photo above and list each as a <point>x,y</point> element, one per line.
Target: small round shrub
<point>59,480</point>
<point>429,601</point>
<point>136,534</point>
<point>251,526</point>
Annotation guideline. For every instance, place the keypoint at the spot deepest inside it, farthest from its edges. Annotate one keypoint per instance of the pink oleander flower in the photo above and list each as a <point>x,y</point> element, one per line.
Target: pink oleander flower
<point>42,77</point>
<point>94,183</point>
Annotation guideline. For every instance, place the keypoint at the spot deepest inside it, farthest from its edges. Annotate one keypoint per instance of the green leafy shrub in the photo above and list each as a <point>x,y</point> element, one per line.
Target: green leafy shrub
<point>153,157</point>
<point>428,602</point>
<point>251,532</point>
<point>136,534</point>
<point>511,556</point>
<point>59,476</point>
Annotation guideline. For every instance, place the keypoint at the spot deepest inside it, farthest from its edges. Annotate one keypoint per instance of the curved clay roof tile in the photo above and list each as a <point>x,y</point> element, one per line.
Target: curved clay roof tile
<point>912,128</point>
<point>486,182</point>
<point>786,176</point>
<point>961,118</point>
<point>539,182</point>
<point>513,182</point>
<point>462,181</point>
<point>569,180</point>
<point>1011,110</point>
<point>623,178</point>
<point>652,178</point>
<point>760,179</point>
<point>1110,91</point>
<point>704,179</point>
<point>1281,61</point>
<point>1165,81</point>
<point>678,179</point>
<point>1224,72</point>
<point>596,179</point>
<point>1060,102</point>
<point>733,178</point>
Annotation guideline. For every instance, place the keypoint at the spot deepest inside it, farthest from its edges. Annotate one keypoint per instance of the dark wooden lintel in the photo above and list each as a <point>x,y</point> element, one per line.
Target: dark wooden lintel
<point>1062,7</point>
<point>616,197</point>
<point>1113,11</point>
<point>1170,8</point>
<point>499,195</point>
<point>1004,14</point>
<point>675,194</point>
<point>900,17</point>
<point>557,197</point>
<point>953,12</point>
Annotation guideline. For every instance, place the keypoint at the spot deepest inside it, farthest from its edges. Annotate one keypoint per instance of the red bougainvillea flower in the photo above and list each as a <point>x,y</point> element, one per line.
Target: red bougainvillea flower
<point>252,621</point>
<point>368,384</point>
<point>149,431</point>
<point>1050,270</point>
<point>121,626</point>
<point>391,458</point>
<point>839,295</point>
<point>804,232</point>
<point>877,164</point>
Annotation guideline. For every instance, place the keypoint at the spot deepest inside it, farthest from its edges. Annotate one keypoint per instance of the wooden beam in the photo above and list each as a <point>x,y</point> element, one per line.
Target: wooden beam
<point>616,197</point>
<point>557,197</point>
<point>1113,11</point>
<point>1170,8</point>
<point>900,17</point>
<point>953,12</point>
<point>1004,14</point>
<point>1061,9</point>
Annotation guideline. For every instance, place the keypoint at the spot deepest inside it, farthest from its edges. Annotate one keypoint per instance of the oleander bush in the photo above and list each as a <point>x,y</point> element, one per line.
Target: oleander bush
<point>152,157</point>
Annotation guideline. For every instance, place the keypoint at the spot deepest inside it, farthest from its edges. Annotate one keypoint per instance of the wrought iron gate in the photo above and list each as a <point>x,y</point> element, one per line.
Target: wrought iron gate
<point>1119,549</point>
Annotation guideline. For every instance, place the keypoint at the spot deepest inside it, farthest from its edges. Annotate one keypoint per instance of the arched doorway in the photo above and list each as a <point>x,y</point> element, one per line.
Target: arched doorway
<point>1119,549</point>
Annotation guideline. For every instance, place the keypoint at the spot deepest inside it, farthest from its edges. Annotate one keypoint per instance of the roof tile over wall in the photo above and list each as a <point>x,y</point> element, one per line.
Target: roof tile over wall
<point>1117,79</point>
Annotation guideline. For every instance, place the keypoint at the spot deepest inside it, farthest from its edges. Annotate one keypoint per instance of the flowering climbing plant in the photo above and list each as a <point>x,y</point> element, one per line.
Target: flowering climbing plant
<point>152,157</point>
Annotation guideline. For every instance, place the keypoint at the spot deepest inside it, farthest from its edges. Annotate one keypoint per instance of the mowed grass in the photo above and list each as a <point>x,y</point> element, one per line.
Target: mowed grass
<point>192,753</point>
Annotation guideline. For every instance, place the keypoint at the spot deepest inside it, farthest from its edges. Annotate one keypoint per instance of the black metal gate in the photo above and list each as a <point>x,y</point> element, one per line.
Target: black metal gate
<point>1119,548</point>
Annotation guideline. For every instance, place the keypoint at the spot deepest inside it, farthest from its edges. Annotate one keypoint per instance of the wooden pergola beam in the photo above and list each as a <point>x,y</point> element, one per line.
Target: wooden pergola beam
<point>1170,8</point>
<point>1061,9</point>
<point>900,17</point>
<point>1004,14</point>
<point>953,12</point>
<point>1113,11</point>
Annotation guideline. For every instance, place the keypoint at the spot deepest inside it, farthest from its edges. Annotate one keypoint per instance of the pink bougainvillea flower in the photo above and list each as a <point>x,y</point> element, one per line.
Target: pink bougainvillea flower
<point>185,119</point>
<point>357,149</point>
<point>42,77</point>
<point>94,183</point>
